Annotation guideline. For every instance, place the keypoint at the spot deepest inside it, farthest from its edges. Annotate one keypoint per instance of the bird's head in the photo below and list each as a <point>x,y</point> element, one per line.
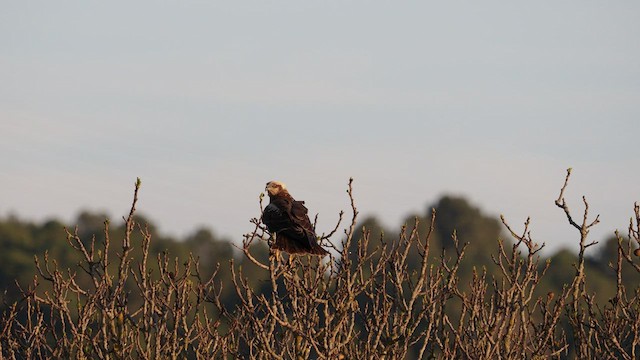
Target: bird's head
<point>274,188</point>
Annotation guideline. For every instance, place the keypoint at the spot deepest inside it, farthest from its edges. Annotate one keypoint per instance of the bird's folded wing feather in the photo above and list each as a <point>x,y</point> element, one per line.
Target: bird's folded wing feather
<point>299,215</point>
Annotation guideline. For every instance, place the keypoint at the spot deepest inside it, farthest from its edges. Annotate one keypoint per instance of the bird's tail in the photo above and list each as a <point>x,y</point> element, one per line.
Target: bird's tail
<point>318,250</point>
<point>294,247</point>
<point>314,247</point>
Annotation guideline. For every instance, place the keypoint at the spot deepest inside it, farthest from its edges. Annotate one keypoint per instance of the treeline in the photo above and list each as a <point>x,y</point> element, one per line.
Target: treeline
<point>453,282</point>
<point>21,240</point>
<point>455,215</point>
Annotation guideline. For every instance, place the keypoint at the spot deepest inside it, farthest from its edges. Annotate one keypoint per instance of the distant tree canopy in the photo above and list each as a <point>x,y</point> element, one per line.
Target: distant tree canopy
<point>22,240</point>
<point>453,214</point>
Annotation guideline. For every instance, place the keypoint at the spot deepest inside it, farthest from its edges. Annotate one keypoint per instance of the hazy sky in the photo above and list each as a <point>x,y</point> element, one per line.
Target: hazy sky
<point>207,101</point>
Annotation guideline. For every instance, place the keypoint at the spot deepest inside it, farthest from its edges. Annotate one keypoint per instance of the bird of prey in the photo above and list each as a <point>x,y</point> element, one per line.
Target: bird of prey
<point>287,219</point>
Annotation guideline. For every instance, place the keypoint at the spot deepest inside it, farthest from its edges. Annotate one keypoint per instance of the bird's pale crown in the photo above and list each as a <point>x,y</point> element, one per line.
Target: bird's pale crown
<point>275,187</point>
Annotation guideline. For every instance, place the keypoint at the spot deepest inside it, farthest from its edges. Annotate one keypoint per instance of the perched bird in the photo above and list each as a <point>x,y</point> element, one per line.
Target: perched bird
<point>287,219</point>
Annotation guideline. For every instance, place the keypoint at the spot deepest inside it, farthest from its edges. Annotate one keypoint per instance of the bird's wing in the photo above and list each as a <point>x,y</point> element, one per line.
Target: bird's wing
<point>276,217</point>
<point>301,219</point>
<point>299,215</point>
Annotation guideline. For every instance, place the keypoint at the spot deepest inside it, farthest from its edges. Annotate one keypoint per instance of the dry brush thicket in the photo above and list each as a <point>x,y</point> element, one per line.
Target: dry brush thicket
<point>364,302</point>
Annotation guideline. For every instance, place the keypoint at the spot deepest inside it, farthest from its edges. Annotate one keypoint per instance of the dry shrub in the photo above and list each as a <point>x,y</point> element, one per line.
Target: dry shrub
<point>364,302</point>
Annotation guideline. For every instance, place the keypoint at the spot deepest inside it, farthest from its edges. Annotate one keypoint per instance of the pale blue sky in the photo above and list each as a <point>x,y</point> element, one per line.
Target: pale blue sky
<point>207,101</point>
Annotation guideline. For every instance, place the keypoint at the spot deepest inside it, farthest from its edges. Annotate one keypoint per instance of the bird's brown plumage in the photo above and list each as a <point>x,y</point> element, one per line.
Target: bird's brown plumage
<point>287,218</point>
